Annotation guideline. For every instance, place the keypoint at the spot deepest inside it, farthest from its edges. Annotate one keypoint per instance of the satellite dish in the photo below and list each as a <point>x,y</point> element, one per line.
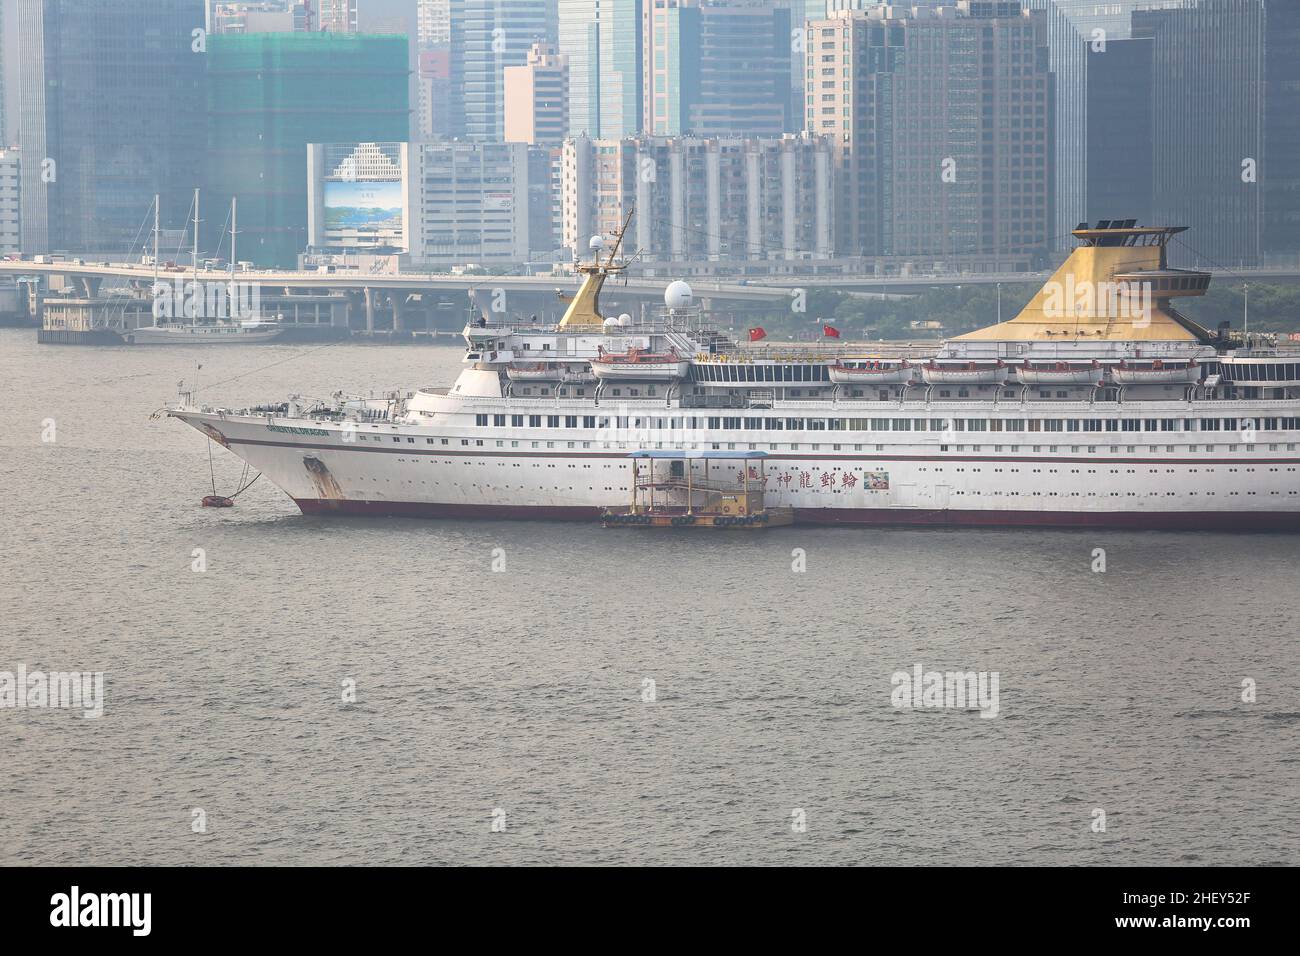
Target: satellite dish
<point>678,295</point>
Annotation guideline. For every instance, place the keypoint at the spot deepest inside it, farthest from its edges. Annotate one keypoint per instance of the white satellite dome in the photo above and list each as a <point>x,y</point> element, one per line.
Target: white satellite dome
<point>611,322</point>
<point>678,295</point>
<point>625,319</point>
<point>596,244</point>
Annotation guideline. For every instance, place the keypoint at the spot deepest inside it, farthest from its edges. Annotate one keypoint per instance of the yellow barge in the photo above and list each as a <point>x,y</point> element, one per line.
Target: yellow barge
<point>668,492</point>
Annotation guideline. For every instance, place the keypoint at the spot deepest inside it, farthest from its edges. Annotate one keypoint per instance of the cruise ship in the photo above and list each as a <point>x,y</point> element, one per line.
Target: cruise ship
<point>1098,405</point>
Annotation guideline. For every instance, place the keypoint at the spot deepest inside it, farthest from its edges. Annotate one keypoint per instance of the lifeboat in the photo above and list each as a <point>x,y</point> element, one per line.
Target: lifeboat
<point>217,501</point>
<point>1060,373</point>
<point>1156,372</point>
<point>533,372</point>
<point>638,365</point>
<point>965,373</point>
<point>870,372</point>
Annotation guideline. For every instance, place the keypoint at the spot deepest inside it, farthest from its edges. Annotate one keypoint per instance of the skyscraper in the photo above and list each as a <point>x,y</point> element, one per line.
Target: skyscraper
<point>672,65</point>
<point>603,41</point>
<point>943,126</point>
<point>716,69</point>
<point>111,104</point>
<point>744,72</point>
<point>486,37</point>
<point>1219,86</point>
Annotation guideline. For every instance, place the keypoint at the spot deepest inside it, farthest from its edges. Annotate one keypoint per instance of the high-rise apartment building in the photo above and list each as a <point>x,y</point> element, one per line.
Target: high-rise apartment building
<point>472,206</point>
<point>702,204</point>
<point>337,16</point>
<point>435,23</point>
<point>10,208</point>
<point>111,102</point>
<point>261,16</point>
<point>486,37</point>
<point>942,123</point>
<point>603,42</point>
<point>537,98</point>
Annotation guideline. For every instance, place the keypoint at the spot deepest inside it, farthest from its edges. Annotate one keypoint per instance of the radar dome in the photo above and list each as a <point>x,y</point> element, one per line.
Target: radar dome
<point>678,295</point>
<point>625,319</point>
<point>596,244</point>
<point>610,323</point>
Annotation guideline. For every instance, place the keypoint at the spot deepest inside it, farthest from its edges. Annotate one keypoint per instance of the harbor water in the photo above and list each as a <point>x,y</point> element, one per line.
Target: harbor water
<point>303,690</point>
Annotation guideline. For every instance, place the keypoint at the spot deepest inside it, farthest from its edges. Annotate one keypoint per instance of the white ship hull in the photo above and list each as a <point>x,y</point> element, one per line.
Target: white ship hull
<point>388,469</point>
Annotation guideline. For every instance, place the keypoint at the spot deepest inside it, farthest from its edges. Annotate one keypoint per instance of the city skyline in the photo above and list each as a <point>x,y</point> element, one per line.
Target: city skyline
<point>958,131</point>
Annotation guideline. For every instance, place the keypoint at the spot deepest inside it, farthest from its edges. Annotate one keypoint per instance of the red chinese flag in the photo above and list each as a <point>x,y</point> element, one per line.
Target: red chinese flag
<point>757,333</point>
<point>831,331</point>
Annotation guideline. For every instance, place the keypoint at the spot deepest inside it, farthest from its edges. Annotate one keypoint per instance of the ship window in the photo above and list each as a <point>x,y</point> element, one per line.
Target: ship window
<point>534,421</point>
<point>498,420</point>
<point>552,421</point>
<point>480,420</point>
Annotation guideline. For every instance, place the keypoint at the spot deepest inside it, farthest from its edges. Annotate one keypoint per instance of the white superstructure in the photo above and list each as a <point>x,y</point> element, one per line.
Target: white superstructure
<point>1091,415</point>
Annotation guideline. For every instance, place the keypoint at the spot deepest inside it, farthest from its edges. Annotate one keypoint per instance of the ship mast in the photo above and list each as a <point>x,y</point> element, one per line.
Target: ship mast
<point>584,307</point>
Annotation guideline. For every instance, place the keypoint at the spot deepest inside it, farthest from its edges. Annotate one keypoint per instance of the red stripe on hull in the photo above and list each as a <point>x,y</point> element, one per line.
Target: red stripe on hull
<point>428,509</point>
<point>899,517</point>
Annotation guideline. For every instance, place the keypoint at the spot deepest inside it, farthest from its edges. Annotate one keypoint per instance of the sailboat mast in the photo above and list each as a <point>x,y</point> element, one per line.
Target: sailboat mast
<point>234,209</point>
<point>196,236</point>
<point>156,214</point>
